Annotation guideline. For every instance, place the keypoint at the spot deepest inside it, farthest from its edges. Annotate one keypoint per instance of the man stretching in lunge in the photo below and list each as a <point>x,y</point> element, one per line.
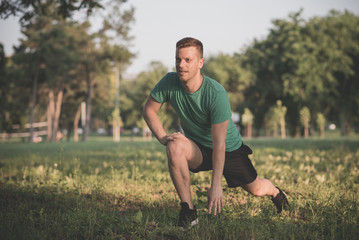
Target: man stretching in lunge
<point>211,141</point>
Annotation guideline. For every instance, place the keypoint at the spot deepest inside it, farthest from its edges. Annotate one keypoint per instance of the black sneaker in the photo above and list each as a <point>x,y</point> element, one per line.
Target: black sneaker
<point>188,217</point>
<point>280,201</point>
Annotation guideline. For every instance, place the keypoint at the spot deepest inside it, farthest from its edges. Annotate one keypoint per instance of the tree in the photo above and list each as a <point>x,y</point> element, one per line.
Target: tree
<point>275,119</point>
<point>14,94</point>
<point>3,86</point>
<point>47,56</point>
<point>345,47</point>
<point>269,122</point>
<point>247,121</point>
<point>305,119</point>
<point>267,65</point>
<point>47,26</point>
<point>21,60</point>
<point>325,68</point>
<point>135,93</point>
<point>31,9</point>
<point>279,112</point>
<point>112,52</point>
<point>114,37</point>
<point>321,124</point>
<point>55,50</point>
<point>232,74</point>
<point>307,63</point>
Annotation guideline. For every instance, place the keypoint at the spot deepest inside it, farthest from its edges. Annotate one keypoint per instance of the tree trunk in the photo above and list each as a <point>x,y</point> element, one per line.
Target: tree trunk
<point>267,130</point>
<point>76,124</point>
<point>306,132</point>
<point>50,113</point>
<point>297,132</point>
<point>88,105</point>
<point>275,129</point>
<point>34,93</point>
<point>345,129</point>
<point>344,120</point>
<point>115,130</point>
<point>69,128</point>
<point>282,127</point>
<point>60,95</point>
<point>322,132</point>
<point>249,130</point>
<point>53,113</point>
<point>116,121</point>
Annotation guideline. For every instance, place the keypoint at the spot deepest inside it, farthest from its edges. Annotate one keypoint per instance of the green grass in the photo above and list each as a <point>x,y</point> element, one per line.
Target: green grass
<point>106,190</point>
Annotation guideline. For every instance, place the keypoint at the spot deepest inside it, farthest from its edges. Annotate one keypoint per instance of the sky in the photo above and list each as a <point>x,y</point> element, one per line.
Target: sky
<point>226,26</point>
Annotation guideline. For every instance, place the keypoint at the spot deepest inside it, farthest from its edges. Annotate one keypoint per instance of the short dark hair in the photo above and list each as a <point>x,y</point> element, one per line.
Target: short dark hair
<point>190,42</point>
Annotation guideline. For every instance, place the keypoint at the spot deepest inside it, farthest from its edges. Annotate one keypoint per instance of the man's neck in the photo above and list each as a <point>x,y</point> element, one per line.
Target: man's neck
<point>194,84</point>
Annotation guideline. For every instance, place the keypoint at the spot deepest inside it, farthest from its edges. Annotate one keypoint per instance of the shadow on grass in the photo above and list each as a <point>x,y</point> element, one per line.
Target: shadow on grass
<point>51,213</point>
<point>55,213</point>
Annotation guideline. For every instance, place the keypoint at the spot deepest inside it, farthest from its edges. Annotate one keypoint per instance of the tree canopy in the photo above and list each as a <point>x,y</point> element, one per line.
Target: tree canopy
<point>27,10</point>
<point>301,64</point>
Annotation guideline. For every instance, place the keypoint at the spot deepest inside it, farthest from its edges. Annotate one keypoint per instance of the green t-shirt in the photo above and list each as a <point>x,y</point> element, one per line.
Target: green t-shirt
<point>198,111</point>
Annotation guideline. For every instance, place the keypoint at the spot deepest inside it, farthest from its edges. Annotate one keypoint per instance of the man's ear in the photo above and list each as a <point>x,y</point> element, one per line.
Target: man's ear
<point>201,62</point>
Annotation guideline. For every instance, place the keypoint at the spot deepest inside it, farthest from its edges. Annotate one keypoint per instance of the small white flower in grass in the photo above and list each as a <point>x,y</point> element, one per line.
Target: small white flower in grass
<point>320,178</point>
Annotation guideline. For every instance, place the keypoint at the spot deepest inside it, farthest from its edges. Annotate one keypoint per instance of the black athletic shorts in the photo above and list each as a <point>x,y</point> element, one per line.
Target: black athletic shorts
<point>238,169</point>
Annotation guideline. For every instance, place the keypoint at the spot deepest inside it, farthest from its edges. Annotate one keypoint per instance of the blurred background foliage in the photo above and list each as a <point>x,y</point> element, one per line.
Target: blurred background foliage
<point>301,64</point>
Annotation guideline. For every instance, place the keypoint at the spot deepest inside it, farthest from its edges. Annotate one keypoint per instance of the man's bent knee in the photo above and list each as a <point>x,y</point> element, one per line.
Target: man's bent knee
<point>181,150</point>
<point>175,149</point>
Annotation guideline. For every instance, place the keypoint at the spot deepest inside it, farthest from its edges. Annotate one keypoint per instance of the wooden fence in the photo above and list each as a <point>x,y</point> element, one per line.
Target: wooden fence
<point>38,131</point>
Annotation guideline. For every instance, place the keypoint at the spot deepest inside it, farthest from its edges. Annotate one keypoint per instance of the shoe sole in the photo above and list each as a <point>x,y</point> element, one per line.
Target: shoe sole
<point>286,198</point>
<point>194,222</point>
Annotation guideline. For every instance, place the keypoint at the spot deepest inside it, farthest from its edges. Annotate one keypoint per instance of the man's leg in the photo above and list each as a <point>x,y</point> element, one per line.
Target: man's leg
<point>261,187</point>
<point>183,154</point>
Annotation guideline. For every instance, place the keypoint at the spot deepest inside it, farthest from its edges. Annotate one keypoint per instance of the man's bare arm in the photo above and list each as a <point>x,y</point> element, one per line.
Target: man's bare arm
<point>150,115</point>
<point>215,194</point>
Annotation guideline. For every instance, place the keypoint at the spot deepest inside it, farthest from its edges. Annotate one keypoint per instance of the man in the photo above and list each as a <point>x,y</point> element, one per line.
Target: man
<point>211,141</point>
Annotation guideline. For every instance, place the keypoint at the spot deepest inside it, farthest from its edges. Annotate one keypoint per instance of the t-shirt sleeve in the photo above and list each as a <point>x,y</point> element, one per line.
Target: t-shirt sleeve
<point>220,108</point>
<point>160,91</point>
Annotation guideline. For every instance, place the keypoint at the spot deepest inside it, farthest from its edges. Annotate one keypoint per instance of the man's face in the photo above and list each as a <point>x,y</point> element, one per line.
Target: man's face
<point>188,63</point>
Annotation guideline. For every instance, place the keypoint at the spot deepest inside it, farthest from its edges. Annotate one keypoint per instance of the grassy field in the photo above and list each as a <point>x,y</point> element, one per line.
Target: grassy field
<point>106,190</point>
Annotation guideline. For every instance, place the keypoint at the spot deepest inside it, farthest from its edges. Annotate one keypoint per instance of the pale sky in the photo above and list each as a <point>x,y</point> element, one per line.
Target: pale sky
<point>223,26</point>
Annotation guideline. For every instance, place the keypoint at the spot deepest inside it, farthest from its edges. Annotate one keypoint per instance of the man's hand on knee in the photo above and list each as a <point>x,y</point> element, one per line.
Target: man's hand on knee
<point>165,140</point>
<point>174,136</point>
